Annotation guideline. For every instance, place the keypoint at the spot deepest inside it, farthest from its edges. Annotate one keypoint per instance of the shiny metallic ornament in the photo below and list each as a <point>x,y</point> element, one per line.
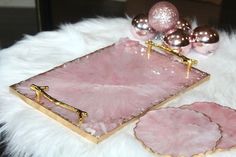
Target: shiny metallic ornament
<point>205,39</point>
<point>163,16</point>
<point>141,28</point>
<point>183,24</point>
<point>178,40</point>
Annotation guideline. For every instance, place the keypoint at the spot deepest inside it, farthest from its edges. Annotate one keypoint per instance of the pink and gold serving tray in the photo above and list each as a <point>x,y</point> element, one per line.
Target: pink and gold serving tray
<point>99,93</point>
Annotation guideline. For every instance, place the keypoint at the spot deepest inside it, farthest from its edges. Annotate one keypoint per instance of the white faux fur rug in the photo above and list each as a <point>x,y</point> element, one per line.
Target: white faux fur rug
<point>29,132</point>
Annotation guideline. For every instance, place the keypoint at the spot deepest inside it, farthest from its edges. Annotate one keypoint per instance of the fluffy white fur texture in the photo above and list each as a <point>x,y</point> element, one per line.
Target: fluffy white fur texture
<point>30,132</point>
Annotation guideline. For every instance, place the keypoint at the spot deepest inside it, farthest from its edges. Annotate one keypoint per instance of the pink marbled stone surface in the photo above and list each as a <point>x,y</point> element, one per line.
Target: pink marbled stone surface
<point>113,84</point>
<point>178,132</point>
<point>222,115</point>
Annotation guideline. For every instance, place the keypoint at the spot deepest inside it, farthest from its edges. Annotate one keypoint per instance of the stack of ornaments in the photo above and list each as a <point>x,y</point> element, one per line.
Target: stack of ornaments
<point>163,21</point>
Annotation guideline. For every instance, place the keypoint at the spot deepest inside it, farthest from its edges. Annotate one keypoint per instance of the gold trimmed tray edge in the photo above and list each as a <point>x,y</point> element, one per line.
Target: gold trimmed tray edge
<point>85,134</point>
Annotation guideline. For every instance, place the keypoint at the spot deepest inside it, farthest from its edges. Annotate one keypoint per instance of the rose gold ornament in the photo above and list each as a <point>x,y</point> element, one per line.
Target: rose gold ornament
<point>178,40</point>
<point>183,24</point>
<point>163,16</point>
<point>206,39</point>
<point>141,28</point>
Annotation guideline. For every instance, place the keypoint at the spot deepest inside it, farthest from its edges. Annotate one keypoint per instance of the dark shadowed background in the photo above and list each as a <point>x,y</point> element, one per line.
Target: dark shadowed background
<point>30,17</point>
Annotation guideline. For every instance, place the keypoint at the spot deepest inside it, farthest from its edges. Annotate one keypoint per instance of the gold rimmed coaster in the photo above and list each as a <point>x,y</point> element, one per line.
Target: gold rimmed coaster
<point>177,132</point>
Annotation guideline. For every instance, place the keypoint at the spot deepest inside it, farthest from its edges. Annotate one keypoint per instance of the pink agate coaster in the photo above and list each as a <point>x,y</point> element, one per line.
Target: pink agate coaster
<point>177,132</point>
<point>113,85</point>
<point>224,116</point>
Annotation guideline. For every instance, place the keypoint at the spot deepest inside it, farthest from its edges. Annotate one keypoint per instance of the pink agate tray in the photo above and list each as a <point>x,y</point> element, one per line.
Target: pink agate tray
<point>113,86</point>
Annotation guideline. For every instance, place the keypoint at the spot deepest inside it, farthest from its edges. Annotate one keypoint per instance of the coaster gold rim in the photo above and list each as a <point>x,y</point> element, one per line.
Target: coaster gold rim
<point>207,152</point>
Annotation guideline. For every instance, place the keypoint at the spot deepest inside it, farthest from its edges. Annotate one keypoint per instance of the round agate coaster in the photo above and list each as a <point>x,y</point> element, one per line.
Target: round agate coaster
<point>224,116</point>
<point>177,132</point>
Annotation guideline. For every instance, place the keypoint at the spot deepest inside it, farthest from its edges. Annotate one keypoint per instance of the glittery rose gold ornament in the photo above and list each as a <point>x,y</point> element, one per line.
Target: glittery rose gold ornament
<point>206,39</point>
<point>183,24</point>
<point>141,28</point>
<point>178,40</point>
<point>163,16</point>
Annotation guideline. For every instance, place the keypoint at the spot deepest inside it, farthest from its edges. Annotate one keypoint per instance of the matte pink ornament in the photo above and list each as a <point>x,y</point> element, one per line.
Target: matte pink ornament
<point>206,39</point>
<point>163,16</point>
<point>141,29</point>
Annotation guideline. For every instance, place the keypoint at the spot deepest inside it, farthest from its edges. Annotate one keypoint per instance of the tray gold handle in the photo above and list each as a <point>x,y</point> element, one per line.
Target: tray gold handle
<point>40,91</point>
<point>185,60</point>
